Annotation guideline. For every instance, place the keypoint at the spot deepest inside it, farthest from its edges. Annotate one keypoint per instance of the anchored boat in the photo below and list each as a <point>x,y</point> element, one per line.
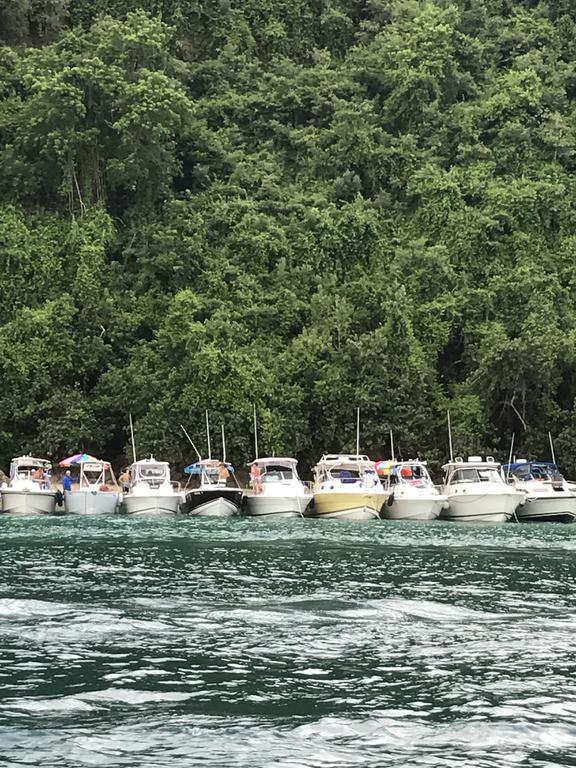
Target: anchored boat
<point>29,490</point>
<point>346,487</point>
<point>412,494</point>
<point>92,496</point>
<point>276,491</point>
<point>549,497</point>
<point>217,494</point>
<point>476,492</point>
<point>150,489</point>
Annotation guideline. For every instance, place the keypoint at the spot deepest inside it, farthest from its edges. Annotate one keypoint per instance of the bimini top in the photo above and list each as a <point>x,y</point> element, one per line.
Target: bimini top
<point>472,461</point>
<point>209,466</point>
<point>149,460</point>
<point>30,461</point>
<point>345,458</point>
<point>273,460</point>
<point>82,458</point>
<point>532,470</point>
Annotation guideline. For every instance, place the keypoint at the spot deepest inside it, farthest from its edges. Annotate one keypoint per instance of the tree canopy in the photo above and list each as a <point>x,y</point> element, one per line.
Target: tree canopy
<point>310,206</point>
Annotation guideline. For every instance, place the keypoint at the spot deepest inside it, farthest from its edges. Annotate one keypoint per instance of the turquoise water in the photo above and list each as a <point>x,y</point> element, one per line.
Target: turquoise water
<point>177,643</point>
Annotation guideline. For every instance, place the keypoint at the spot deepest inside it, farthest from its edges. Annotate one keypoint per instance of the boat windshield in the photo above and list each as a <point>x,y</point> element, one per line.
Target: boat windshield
<point>410,474</point>
<point>476,475</point>
<point>277,474</point>
<point>345,475</point>
<point>214,476</point>
<point>545,472</point>
<point>154,472</point>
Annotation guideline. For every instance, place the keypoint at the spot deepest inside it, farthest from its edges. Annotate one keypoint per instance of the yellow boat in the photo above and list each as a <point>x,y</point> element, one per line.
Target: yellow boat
<point>346,487</point>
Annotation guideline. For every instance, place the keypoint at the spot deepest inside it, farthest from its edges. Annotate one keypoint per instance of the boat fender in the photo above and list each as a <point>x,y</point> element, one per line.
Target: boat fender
<point>390,500</point>
<point>59,498</point>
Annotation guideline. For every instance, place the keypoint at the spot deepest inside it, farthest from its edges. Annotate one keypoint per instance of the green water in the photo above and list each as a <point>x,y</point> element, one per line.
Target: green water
<point>298,643</point>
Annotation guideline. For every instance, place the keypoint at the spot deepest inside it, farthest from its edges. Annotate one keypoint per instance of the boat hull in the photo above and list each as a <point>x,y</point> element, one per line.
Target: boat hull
<point>91,502</point>
<point>406,508</point>
<point>28,502</point>
<point>276,506</point>
<point>481,507</point>
<point>548,510</point>
<point>167,504</point>
<point>222,502</point>
<point>347,506</point>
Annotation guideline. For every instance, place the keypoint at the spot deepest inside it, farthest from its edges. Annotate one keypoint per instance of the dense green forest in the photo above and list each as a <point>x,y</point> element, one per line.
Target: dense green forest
<point>310,205</point>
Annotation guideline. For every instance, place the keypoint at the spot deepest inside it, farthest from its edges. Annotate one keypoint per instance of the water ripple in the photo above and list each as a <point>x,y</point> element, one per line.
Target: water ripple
<point>296,643</point>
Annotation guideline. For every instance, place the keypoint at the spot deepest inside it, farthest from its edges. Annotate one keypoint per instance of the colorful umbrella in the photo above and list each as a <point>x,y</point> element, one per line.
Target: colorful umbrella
<point>197,469</point>
<point>383,468</point>
<point>81,458</point>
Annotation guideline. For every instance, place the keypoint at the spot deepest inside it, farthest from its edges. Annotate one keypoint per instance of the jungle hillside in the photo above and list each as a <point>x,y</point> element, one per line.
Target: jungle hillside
<point>307,205</point>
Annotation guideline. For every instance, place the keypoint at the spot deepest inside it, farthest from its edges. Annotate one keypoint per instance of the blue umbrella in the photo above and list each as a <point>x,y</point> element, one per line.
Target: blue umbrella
<point>197,469</point>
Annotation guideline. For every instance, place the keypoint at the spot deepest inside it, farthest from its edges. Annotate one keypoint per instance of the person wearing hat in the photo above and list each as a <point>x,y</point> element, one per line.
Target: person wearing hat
<point>67,481</point>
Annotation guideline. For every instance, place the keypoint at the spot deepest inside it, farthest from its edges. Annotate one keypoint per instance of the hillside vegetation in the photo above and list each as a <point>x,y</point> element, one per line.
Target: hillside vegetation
<point>310,205</point>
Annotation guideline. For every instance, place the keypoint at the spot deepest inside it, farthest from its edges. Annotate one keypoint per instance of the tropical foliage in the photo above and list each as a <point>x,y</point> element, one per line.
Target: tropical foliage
<point>310,206</point>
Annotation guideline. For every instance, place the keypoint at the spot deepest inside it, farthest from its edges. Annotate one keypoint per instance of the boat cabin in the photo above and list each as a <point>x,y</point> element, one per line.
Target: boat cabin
<point>474,470</point>
<point>277,470</point>
<point>30,471</point>
<point>412,473</point>
<point>150,473</point>
<point>345,470</point>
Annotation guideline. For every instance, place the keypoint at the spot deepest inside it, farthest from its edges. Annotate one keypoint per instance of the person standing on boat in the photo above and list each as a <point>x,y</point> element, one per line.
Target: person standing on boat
<point>46,477</point>
<point>124,481</point>
<point>256,478</point>
<point>67,481</point>
<point>37,475</point>
<point>223,473</point>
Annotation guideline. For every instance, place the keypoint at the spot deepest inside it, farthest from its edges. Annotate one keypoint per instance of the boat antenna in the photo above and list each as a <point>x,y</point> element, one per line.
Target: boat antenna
<point>191,443</point>
<point>552,448</point>
<point>392,446</point>
<point>208,436</point>
<point>132,436</point>
<point>358,432</point>
<point>255,434</point>
<point>223,445</point>
<point>510,457</point>
<point>450,437</point>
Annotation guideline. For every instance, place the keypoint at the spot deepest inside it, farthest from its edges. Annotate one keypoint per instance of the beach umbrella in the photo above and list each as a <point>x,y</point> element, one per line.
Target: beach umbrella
<point>383,468</point>
<point>81,458</point>
<point>196,469</point>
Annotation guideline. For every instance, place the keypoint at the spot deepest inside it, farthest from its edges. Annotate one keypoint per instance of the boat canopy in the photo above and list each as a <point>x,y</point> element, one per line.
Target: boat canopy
<point>330,460</point>
<point>533,470</point>
<point>475,461</point>
<point>207,466</point>
<point>275,461</point>
<point>82,458</point>
<point>29,462</point>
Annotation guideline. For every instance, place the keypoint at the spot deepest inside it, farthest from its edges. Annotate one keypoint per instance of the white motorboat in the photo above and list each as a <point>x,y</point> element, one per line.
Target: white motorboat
<point>150,490</point>
<point>29,490</point>
<point>476,492</point>
<point>93,496</point>
<point>217,494</point>
<point>346,487</point>
<point>276,491</point>
<point>412,494</point>
<point>549,497</point>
